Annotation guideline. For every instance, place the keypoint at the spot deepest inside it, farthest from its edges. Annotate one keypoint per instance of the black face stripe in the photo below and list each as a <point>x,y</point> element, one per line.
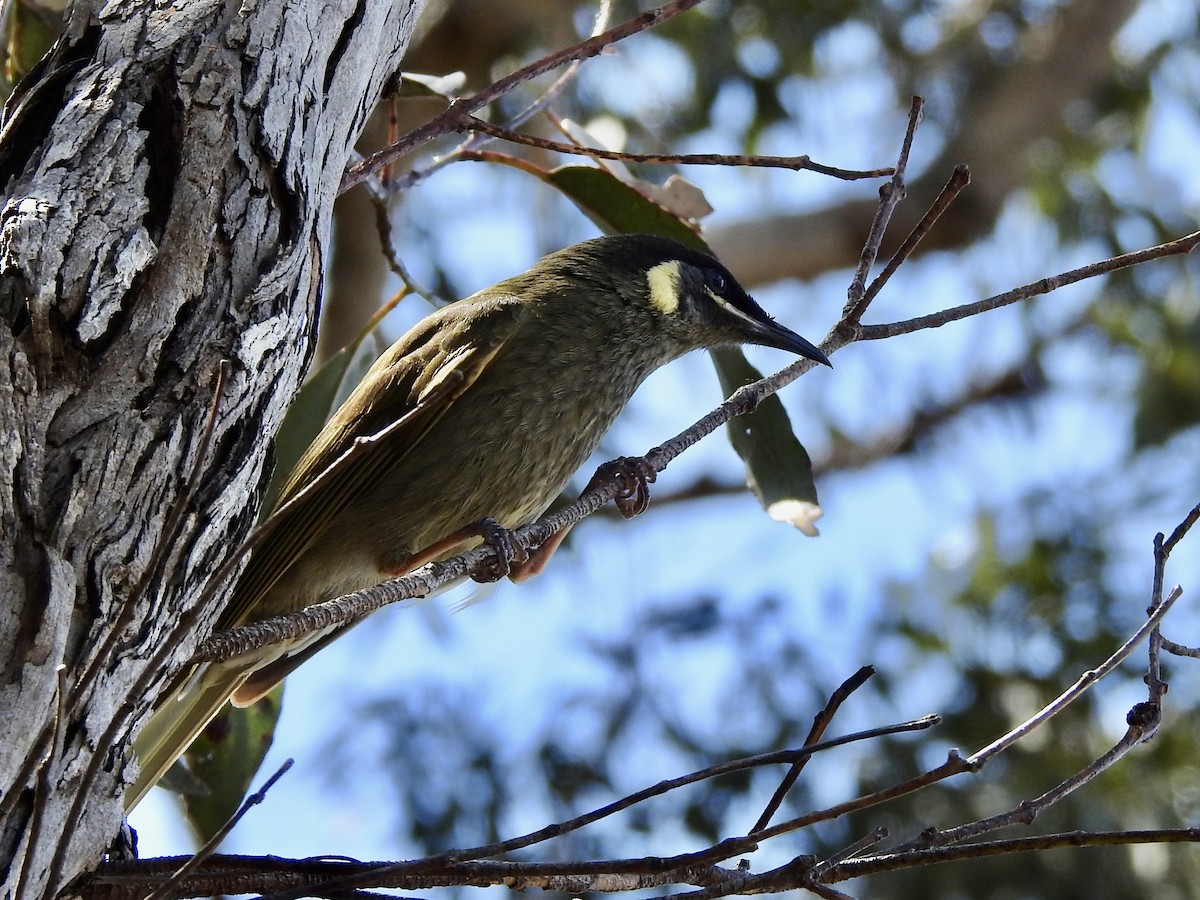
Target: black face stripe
<point>722,284</point>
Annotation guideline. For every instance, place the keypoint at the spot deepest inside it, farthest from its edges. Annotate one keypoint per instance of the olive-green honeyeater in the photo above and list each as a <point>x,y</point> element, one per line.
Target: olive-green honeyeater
<point>483,410</point>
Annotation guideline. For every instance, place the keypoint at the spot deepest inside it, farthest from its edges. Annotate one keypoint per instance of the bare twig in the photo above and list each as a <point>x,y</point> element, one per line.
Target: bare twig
<point>1027,811</point>
<point>1076,690</point>
<point>954,765</point>
<point>1162,551</point>
<point>1178,246</point>
<point>1142,720</point>
<point>246,874</point>
<point>793,163</point>
<point>560,84</point>
<point>890,195</point>
<point>865,842</point>
<point>820,723</point>
<point>1189,520</point>
<point>471,146</point>
<point>890,862</point>
<point>959,179</point>
<point>378,876</point>
<point>164,890</point>
<point>460,109</point>
<point>1180,650</point>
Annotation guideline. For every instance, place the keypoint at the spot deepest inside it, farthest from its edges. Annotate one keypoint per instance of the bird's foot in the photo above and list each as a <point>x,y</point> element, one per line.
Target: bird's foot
<point>510,555</point>
<point>635,475</point>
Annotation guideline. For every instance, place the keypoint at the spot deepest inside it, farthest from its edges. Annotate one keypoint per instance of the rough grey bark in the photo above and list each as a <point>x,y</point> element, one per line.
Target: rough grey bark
<point>167,178</point>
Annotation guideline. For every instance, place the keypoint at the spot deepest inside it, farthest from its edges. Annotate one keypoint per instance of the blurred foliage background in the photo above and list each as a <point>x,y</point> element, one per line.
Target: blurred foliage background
<point>991,488</point>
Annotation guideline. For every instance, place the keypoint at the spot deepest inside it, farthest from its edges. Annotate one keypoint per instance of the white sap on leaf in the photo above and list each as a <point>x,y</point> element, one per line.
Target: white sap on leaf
<point>800,513</point>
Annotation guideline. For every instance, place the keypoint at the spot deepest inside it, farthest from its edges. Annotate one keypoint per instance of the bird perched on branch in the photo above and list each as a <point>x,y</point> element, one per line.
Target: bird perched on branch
<point>471,423</point>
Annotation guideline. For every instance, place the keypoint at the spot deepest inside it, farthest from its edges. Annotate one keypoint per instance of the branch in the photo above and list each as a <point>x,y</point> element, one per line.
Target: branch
<point>794,163</point>
<point>821,721</point>
<point>1181,245</point>
<point>1142,720</point>
<point>1076,690</point>
<point>890,862</point>
<point>166,889</point>
<point>460,110</point>
<point>890,196</point>
<point>701,868</point>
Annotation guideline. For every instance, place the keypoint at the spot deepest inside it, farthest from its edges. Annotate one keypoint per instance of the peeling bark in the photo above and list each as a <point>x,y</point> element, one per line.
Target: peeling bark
<point>167,178</point>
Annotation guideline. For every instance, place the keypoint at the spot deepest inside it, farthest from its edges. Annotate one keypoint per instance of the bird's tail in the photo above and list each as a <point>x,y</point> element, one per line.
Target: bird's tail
<point>175,724</point>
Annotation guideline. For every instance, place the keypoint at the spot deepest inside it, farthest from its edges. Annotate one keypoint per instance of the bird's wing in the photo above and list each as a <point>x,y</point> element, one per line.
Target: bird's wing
<point>404,393</point>
<point>408,389</point>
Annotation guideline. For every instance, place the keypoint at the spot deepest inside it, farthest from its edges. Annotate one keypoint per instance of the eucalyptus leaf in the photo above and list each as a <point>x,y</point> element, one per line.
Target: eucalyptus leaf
<point>778,468</point>
<point>616,207</point>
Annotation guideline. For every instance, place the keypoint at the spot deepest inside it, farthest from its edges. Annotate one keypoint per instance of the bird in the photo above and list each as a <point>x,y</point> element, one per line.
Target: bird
<point>470,424</point>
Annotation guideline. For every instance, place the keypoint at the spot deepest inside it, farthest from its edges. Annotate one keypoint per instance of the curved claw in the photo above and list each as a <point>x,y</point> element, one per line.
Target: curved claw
<point>509,552</point>
<point>635,475</point>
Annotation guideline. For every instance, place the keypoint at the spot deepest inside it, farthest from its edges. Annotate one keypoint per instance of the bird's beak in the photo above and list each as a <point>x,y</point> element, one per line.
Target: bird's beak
<point>771,334</point>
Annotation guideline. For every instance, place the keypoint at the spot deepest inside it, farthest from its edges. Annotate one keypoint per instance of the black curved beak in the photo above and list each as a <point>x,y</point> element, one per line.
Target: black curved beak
<point>770,333</point>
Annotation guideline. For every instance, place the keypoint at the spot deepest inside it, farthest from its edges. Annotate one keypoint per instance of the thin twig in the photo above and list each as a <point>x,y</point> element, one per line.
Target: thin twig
<point>164,890</point>
<point>1189,520</point>
<point>890,195</point>
<point>1142,720</point>
<point>849,852</point>
<point>1025,812</point>
<point>792,875</point>
<point>820,722</point>
<point>1180,650</point>
<point>1162,551</point>
<point>449,120</point>
<point>1076,690</point>
<point>793,163</point>
<point>560,84</point>
<point>123,878</point>
<point>890,862</point>
<point>825,891</point>
<point>954,765</point>
<point>959,179</point>
<point>472,144</point>
<point>1181,245</point>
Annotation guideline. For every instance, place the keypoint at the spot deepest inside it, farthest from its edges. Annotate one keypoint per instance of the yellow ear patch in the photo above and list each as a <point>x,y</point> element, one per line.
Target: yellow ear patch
<point>664,286</point>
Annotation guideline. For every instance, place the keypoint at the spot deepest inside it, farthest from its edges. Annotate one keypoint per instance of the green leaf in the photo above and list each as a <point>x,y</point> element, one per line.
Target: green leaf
<point>225,758</point>
<point>778,468</point>
<point>616,207</point>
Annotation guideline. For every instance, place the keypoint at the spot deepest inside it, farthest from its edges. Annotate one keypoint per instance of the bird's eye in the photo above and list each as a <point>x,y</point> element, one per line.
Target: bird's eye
<point>715,281</point>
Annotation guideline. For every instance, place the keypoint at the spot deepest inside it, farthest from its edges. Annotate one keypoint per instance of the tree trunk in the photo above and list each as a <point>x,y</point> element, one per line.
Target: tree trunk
<point>168,175</point>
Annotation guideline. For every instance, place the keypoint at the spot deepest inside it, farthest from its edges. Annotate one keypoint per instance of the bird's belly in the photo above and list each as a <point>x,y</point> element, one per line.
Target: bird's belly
<point>470,466</point>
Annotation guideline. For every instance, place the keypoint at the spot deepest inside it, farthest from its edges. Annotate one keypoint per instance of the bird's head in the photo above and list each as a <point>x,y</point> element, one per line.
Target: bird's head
<point>672,296</point>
